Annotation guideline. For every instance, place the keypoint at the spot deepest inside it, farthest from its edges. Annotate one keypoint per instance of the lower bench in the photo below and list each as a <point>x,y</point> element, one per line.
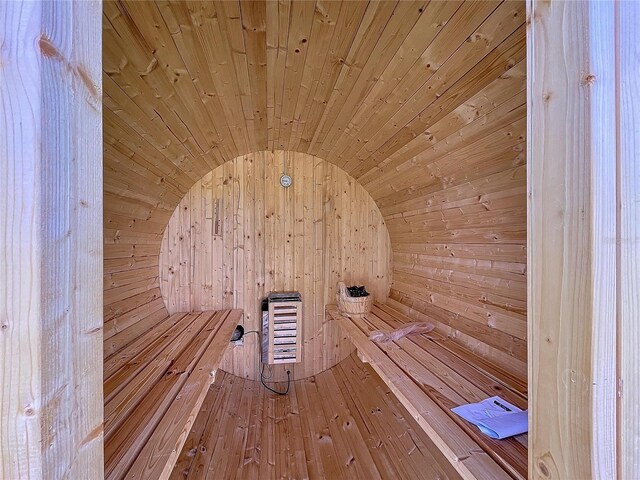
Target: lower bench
<point>154,388</point>
<point>430,374</point>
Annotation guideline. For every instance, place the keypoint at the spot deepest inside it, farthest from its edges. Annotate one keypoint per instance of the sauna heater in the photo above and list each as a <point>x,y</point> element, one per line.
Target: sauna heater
<point>282,328</point>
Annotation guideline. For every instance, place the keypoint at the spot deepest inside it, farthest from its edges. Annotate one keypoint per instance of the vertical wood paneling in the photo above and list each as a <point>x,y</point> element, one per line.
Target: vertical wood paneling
<point>303,238</point>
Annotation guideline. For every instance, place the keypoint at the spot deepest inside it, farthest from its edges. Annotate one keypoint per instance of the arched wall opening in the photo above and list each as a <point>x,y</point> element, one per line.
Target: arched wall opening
<point>238,235</point>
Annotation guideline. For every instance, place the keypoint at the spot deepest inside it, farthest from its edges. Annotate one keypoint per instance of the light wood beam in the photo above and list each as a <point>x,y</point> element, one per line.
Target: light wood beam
<point>628,37</point>
<point>51,240</point>
<point>571,239</point>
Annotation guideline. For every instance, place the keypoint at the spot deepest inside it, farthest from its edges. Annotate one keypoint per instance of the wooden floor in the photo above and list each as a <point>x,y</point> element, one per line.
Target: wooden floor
<point>342,423</point>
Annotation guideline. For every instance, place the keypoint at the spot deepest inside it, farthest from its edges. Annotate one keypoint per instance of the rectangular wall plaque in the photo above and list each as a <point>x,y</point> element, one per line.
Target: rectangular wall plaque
<point>217,225</point>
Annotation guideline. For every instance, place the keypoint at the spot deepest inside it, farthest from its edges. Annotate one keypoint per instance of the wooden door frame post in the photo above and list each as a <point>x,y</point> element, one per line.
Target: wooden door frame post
<point>51,240</point>
<point>583,243</point>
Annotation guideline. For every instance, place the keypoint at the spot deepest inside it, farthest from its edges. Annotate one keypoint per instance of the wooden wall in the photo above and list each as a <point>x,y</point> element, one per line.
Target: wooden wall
<point>50,240</point>
<point>132,299</point>
<point>420,102</point>
<point>238,235</point>
<point>455,205</point>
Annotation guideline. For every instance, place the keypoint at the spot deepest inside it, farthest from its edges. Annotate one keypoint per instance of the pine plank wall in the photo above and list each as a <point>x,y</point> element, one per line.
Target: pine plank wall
<point>239,235</point>
<point>422,103</point>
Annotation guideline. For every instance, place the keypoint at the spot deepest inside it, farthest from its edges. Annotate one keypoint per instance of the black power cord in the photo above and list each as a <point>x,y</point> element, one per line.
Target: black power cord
<point>262,377</point>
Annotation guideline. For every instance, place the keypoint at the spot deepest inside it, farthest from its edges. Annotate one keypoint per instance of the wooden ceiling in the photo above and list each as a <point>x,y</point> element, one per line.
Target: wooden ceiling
<point>190,85</point>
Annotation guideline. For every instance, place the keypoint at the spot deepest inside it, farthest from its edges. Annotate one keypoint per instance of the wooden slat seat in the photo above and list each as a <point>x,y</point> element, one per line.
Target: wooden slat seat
<point>430,374</point>
<point>154,387</point>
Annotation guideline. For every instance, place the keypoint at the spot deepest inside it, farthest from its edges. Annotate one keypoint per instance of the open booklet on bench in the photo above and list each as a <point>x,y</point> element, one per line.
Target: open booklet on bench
<point>495,417</point>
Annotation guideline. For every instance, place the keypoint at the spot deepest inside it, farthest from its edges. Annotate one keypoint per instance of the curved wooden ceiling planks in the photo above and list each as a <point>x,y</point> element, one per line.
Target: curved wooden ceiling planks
<point>350,82</point>
<point>422,102</point>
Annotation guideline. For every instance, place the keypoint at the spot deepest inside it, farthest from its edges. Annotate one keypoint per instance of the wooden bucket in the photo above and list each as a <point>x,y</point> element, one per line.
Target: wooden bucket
<point>352,305</point>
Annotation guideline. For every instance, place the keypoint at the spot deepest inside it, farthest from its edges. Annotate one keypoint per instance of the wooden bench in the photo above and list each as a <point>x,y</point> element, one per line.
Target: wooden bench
<point>430,374</point>
<point>154,387</point>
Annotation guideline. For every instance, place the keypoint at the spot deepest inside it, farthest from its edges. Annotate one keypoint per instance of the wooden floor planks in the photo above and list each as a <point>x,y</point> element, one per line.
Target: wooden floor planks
<point>341,423</point>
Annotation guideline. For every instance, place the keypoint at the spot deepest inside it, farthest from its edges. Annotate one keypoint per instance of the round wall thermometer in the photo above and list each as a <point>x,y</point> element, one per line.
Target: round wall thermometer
<point>285,180</point>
